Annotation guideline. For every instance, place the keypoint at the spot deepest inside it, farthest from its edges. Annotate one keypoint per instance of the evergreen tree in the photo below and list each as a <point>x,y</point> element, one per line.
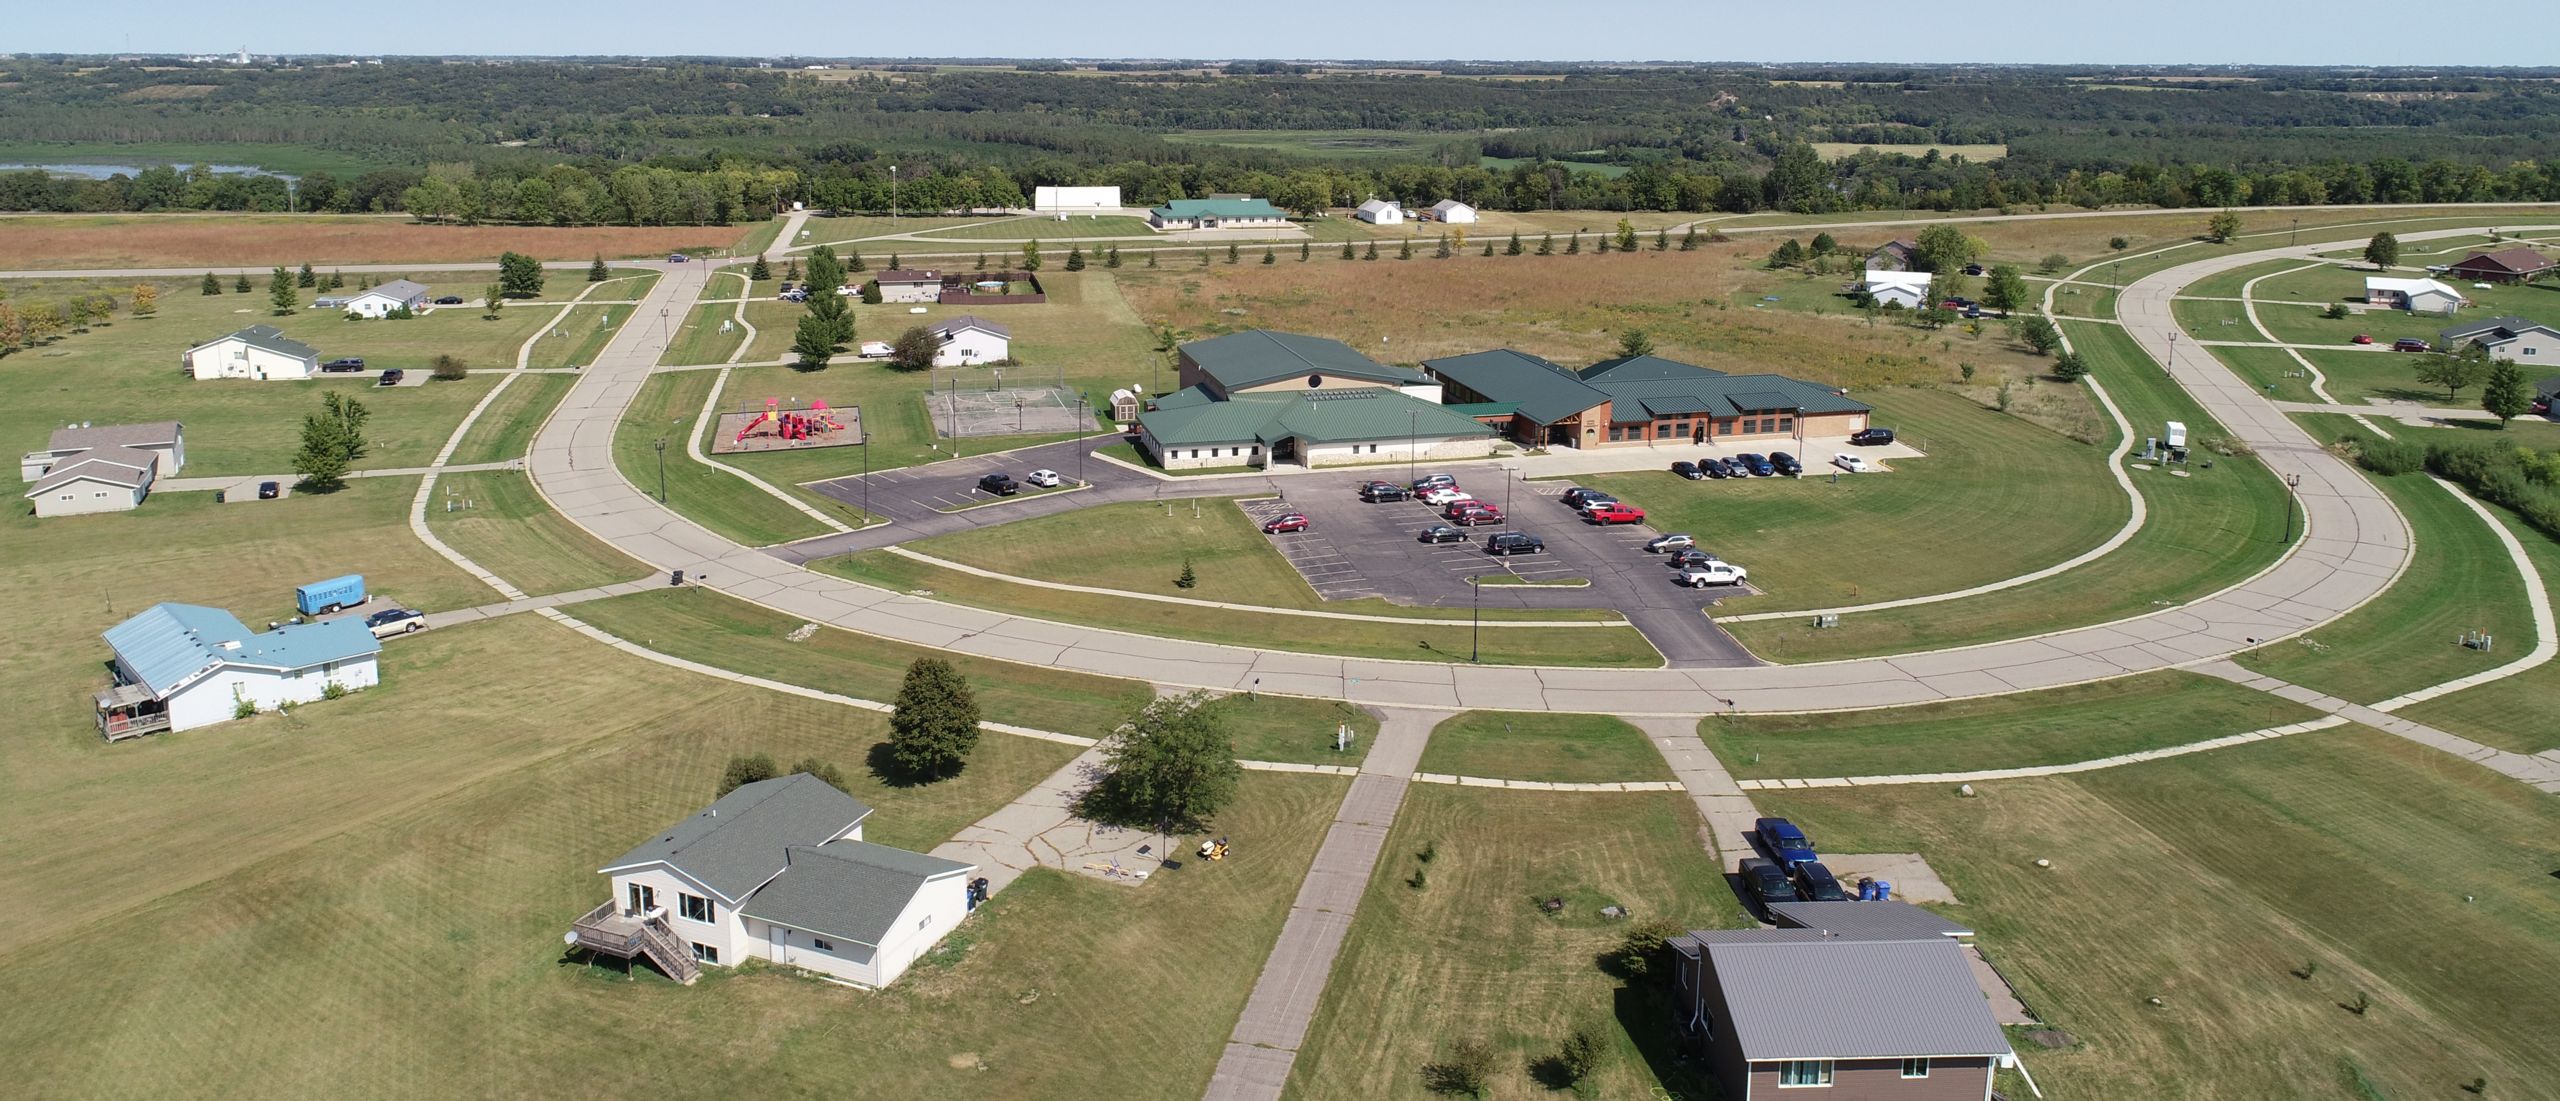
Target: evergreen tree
<point>1488,247</point>
<point>1823,245</point>
<point>1635,342</point>
<point>1547,245</point>
<point>306,277</point>
<point>746,769</point>
<point>1111,257</point>
<point>598,273</point>
<point>1372,254</point>
<point>1442,253</point>
<point>241,285</point>
<point>2068,367</point>
<point>1268,256</point>
<point>280,291</point>
<point>1306,250</point>
<point>1689,240</point>
<point>761,271</point>
<point>826,274</point>
<point>1346,250</point>
<point>1031,256</point>
<point>332,440</point>
<point>1232,254</point>
<point>982,262</point>
<point>853,261</point>
<point>814,341</point>
<point>1151,258</point>
<point>934,727</point>
<point>337,279</point>
<point>896,263</point>
<point>2040,334</point>
<point>1601,245</point>
<point>1573,244</point>
<point>212,286</point>
<point>790,270</point>
<point>1075,257</point>
<point>1513,248</point>
<point>1662,240</point>
<point>1405,250</point>
<point>1787,255</point>
<point>1626,236</point>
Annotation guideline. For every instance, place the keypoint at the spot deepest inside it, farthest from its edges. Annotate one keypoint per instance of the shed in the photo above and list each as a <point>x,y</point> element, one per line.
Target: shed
<point>1380,212</point>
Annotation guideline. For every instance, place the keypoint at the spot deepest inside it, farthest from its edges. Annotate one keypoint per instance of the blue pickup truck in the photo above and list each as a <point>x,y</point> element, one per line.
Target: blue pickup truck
<point>324,597</point>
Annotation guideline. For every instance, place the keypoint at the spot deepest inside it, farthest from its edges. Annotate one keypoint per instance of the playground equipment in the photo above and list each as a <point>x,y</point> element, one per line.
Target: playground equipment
<point>793,426</point>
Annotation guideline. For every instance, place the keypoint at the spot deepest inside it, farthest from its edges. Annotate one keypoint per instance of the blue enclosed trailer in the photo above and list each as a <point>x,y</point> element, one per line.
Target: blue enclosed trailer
<point>323,597</point>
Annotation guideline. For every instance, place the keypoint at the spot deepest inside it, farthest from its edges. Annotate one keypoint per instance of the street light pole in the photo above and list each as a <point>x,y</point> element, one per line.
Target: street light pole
<point>1084,414</point>
<point>1475,634</point>
<point>2292,484</point>
<point>662,470</point>
<point>866,462</point>
<point>893,193</point>
<point>1412,437</point>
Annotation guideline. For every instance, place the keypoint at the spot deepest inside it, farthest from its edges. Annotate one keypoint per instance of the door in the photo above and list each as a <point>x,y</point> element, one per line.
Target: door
<point>781,943</point>
<point>643,898</point>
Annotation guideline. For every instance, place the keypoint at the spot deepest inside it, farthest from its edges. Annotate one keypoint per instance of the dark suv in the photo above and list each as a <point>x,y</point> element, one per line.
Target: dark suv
<point>1871,437</point>
<point>1514,542</point>
<point>351,363</point>
<point>1785,463</point>
<point>1002,485</point>
<point>1375,492</point>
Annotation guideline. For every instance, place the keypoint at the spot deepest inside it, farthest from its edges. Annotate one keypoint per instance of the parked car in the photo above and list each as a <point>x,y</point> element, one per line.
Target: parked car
<point>1757,463</point>
<point>1437,496</point>
<point>1817,884</point>
<point>677,258</point>
<point>395,621</point>
<point>1973,269</point>
<point>1691,558</point>
<point>1443,533</point>
<point>2362,338</point>
<point>1785,463</point>
<point>1606,515</point>
<point>1375,492</point>
<point>1594,500</point>
<point>1002,485</point>
<point>392,377</point>
<point>1871,437</point>
<point>268,491</point>
<point>1507,543</point>
<point>1429,480</point>
<point>1711,573</point>
<point>1678,540</point>
<point>1045,479</point>
<point>1850,463</point>
<point>449,300</point>
<point>2408,344</point>
<point>1478,516</point>
<point>1716,468</point>
<point>1287,521</point>
<point>1573,497</point>
<point>793,296</point>
<point>1767,882</point>
<point>1785,841</point>
<point>351,363</point>
<point>1687,469</point>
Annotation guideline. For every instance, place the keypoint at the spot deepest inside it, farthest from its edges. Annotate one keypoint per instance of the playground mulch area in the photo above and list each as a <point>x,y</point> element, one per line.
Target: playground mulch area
<point>755,430</point>
<point>1015,411</point>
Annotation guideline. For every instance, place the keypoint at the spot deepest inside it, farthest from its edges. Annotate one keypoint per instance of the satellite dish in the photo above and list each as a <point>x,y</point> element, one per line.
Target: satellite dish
<point>570,937</point>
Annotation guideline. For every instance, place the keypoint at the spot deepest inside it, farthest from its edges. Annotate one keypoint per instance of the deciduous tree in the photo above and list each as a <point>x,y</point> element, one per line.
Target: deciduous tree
<point>332,440</point>
<point>1031,256</point>
<point>1626,236</point>
<point>146,300</point>
<point>914,349</point>
<point>2040,334</point>
<point>2383,251</point>
<point>934,727</point>
<point>1172,763</point>
<point>747,769</point>
<point>2453,372</point>
<point>2005,289</point>
<point>519,275</point>
<point>2222,227</point>
<point>448,368</point>
<point>493,298</point>
<point>1944,249</point>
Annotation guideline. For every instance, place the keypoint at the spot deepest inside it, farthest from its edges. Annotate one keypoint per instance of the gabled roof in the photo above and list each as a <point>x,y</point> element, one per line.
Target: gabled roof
<point>1646,368</point>
<point>850,890</point>
<point>2495,330</point>
<point>1670,388</point>
<point>266,337</point>
<point>2412,287</point>
<point>2514,261</point>
<point>1446,205</point>
<point>1802,994</point>
<point>1878,279</point>
<point>1184,210</point>
<point>970,321</point>
<point>397,290</point>
<point>1872,920</point>
<point>912,275</point>
<point>1544,392</point>
<point>168,645</point>
<point>742,839</point>
<point>1380,206</point>
<point>114,464</point>
<point>1257,356</point>
<point>152,434</point>
<point>1196,418</point>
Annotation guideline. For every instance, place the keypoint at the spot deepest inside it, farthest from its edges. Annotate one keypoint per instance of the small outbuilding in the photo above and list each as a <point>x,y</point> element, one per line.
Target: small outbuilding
<point>381,301</point>
<point>2421,296</point>
<point>182,666</point>
<point>1380,212</point>
<point>969,340</point>
<point>1454,212</point>
<point>260,352</point>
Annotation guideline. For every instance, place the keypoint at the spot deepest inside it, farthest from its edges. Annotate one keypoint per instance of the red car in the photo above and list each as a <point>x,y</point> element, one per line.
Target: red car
<point>2362,338</point>
<point>1615,514</point>
<point>2408,344</point>
<point>1481,514</point>
<point>1287,521</point>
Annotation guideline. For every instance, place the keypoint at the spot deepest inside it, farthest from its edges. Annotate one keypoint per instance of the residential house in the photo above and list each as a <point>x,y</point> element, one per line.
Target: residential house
<point>182,666</point>
<point>380,301</point>
<point>1453,211</point>
<point>910,286</point>
<point>100,479</point>
<point>1059,200</point>
<point>2506,265</point>
<point>2513,339</point>
<point>1886,920</point>
<point>1380,212</point>
<point>1861,1018</point>
<point>260,352</point>
<point>167,439</point>
<point>1217,214</point>
<point>1889,287</point>
<point>2425,296</point>
<point>969,340</point>
<point>1260,398</point>
<point>1895,255</point>
<point>777,870</point>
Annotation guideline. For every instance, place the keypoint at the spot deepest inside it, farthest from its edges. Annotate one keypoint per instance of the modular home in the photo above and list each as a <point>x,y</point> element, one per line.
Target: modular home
<point>2424,296</point>
<point>1380,212</point>
<point>1907,289</point>
<point>910,286</point>
<point>968,340</point>
<point>259,352</point>
<point>182,666</point>
<point>1453,211</point>
<point>378,302</point>
<point>2506,265</point>
<point>2513,339</point>
<point>1904,1022</point>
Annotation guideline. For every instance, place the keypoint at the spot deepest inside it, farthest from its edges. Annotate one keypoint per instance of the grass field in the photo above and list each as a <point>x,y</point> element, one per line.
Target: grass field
<point>1609,647</point>
<point>580,336</point>
<point>1569,749</point>
<point>2204,881</point>
<point>665,409</point>
<point>624,285</point>
<point>2204,533</point>
<point>1338,144</point>
<point>1811,543</point>
<point>700,338</point>
<point>1838,150</point>
<point>733,634</point>
<point>1506,164</point>
<point>496,519</point>
<point>2056,726</point>
<point>840,230</point>
<point>265,240</point>
<point>505,429</point>
<point>1289,728</point>
<point>1470,956</point>
<point>1043,229</point>
<point>272,156</point>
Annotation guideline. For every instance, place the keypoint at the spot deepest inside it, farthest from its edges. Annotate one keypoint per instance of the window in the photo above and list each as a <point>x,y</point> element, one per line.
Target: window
<point>1804,1072</point>
<point>1786,424</point>
<point>825,945</point>
<point>924,921</point>
<point>1915,1068</point>
<point>1616,433</point>
<point>705,953</point>
<point>695,908</point>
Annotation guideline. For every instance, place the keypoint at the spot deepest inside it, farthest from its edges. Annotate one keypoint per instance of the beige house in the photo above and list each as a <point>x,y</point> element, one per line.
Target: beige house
<point>101,479</point>
<point>167,439</point>
<point>259,352</point>
<point>910,286</point>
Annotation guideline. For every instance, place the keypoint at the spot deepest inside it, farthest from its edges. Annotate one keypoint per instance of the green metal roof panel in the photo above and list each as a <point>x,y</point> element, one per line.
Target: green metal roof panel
<point>269,338</point>
<point>1257,356</point>
<point>1643,369</point>
<point>1758,401</point>
<point>1484,408</point>
<point>1189,209</point>
<point>1545,393</point>
<point>1677,405</point>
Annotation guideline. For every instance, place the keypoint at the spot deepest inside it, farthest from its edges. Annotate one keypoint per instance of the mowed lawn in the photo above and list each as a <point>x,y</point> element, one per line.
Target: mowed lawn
<point>413,910</point>
<point>1817,542</point>
<point>664,409</point>
<point>2207,881</point>
<point>2084,722</point>
<point>1291,728</point>
<point>495,518</point>
<point>1469,955</point>
<point>1543,746</point>
<point>580,336</point>
<point>1044,229</point>
<point>505,429</point>
<point>2204,533</point>
<point>700,337</point>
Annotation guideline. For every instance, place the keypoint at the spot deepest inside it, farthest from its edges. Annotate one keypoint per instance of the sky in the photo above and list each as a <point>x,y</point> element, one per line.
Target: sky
<point>2281,32</point>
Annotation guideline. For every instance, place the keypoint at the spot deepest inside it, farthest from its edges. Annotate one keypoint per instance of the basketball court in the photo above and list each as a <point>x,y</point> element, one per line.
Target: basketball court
<point>1012,411</point>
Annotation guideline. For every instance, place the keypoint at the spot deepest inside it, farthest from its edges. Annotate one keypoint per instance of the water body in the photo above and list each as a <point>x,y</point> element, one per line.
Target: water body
<point>102,171</point>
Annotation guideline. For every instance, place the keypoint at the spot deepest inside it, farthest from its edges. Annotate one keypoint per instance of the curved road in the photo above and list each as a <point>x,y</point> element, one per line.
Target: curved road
<point>2354,544</point>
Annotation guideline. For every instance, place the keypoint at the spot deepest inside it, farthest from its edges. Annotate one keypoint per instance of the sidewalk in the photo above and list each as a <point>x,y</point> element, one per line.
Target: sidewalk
<point>1729,818</point>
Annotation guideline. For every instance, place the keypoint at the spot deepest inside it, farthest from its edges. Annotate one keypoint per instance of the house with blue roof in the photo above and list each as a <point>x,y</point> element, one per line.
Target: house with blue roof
<point>182,666</point>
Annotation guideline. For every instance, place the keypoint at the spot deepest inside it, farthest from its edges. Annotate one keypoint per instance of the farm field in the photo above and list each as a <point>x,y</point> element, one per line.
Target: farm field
<point>1813,542</point>
<point>1607,647</point>
<point>496,519</point>
<point>1836,150</point>
<point>1569,749</point>
<point>2053,727</point>
<point>1506,164</point>
<point>272,156</point>
<point>505,429</point>
<point>2213,881</point>
<point>1469,956</point>
<point>260,241</point>
<point>1348,144</point>
<point>2205,532</point>
<point>665,409</point>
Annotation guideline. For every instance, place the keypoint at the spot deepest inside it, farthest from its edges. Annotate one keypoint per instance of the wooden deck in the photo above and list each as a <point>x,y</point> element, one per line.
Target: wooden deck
<point>609,931</point>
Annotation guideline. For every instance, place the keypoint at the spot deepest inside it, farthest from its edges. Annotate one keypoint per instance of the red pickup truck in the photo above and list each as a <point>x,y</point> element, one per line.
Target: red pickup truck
<point>1615,514</point>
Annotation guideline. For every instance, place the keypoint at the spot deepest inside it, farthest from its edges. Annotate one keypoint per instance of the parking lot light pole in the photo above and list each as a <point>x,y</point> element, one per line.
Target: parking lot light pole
<point>1084,411</point>
<point>1475,634</point>
<point>2292,483</point>
<point>865,426</point>
<point>1412,458</point>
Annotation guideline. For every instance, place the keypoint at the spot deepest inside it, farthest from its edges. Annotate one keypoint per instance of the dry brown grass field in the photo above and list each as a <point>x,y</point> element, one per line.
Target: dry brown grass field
<point>159,241</point>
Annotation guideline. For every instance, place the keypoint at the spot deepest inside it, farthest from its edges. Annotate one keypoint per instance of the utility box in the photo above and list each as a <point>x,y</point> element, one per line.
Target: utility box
<point>324,597</point>
<point>2177,434</point>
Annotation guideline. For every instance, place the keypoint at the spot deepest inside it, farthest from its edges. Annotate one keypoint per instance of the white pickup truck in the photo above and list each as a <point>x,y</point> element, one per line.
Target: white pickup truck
<point>1711,573</point>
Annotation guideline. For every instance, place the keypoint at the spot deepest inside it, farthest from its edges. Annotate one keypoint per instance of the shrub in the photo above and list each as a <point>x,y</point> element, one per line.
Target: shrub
<point>744,770</point>
<point>2053,262</point>
<point>1578,1056</point>
<point>334,691</point>
<point>245,708</point>
<point>1466,1069</point>
<point>2119,243</point>
<point>2337,311</point>
<point>1646,949</point>
<point>822,770</point>
<point>2069,367</point>
<point>448,368</point>
<point>2391,458</point>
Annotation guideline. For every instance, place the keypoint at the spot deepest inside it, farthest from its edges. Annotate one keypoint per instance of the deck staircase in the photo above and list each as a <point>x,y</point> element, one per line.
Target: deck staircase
<point>607,930</point>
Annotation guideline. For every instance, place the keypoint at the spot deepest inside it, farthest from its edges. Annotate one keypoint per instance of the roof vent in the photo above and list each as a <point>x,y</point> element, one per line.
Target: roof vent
<point>230,644</point>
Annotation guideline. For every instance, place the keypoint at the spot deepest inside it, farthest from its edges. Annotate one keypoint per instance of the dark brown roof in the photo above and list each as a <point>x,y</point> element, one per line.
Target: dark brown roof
<point>913,276</point>
<point>2518,260</point>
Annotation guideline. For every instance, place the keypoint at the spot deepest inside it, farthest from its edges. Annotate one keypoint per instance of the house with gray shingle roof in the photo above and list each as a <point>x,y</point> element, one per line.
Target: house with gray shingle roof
<point>2514,339</point>
<point>257,352</point>
<point>1883,1014</point>
<point>777,870</point>
<point>166,439</point>
<point>380,300</point>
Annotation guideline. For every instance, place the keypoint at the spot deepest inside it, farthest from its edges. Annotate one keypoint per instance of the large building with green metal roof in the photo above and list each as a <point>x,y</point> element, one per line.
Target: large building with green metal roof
<point>1639,400</point>
<point>1217,214</point>
<point>1258,398</point>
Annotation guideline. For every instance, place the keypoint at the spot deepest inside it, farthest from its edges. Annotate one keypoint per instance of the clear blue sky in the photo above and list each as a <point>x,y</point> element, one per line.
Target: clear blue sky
<point>2295,32</point>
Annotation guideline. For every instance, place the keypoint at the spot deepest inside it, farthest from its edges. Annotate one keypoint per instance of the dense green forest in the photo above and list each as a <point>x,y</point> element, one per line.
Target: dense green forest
<point>708,141</point>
